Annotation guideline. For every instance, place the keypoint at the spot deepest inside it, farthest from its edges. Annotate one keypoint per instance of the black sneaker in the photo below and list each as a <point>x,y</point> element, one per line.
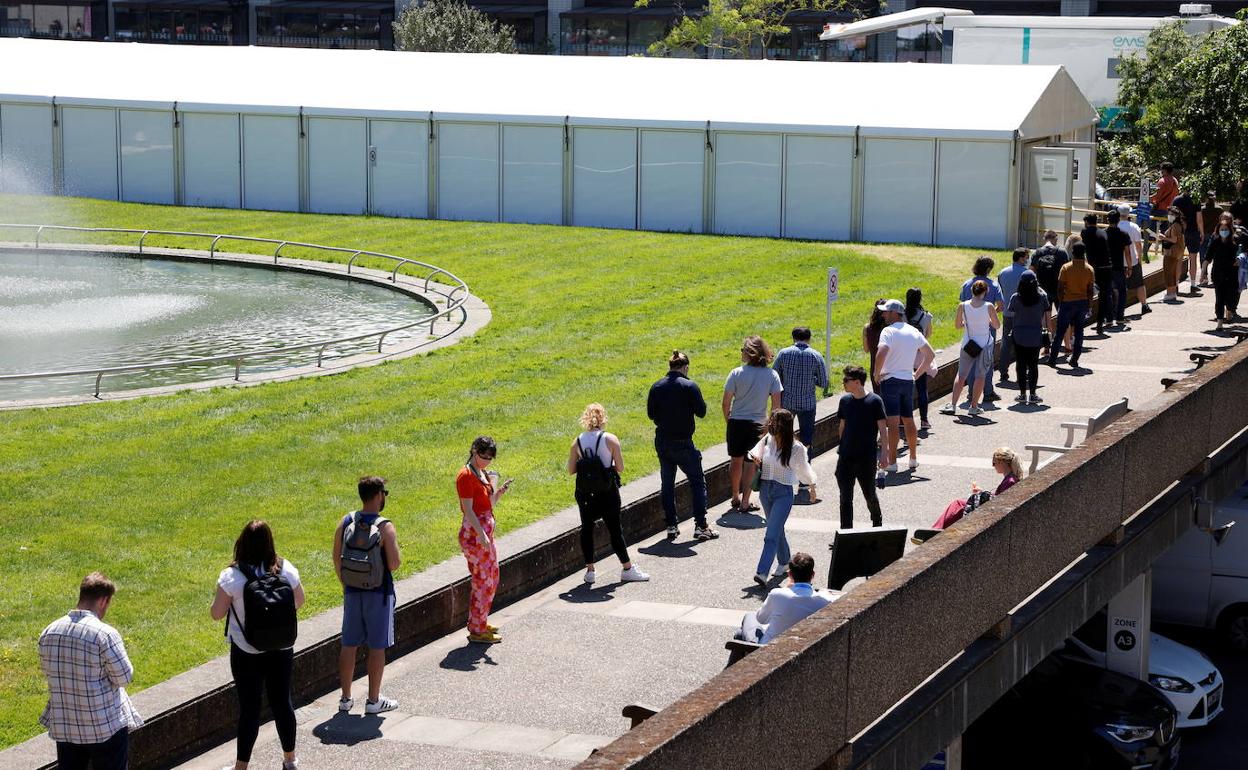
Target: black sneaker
<point>1145,310</point>
<point>673,532</point>
<point>704,533</point>
<point>992,397</point>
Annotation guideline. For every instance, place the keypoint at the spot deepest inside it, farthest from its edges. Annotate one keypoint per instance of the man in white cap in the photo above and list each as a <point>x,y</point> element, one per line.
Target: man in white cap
<point>1135,268</point>
<point>903,354</point>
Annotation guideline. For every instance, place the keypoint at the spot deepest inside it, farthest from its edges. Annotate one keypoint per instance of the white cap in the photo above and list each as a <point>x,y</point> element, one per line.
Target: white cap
<point>1124,209</point>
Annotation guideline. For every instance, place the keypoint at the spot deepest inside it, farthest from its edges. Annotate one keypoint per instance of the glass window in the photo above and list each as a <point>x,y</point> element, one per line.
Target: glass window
<point>643,32</point>
<point>130,23</point>
<point>302,29</point>
<point>213,26</point>
<point>160,25</point>
<point>572,36</point>
<point>780,47</point>
<point>337,30</point>
<point>186,26</point>
<point>607,37</point>
<point>806,38</point>
<point>525,33</point>
<point>918,43</point>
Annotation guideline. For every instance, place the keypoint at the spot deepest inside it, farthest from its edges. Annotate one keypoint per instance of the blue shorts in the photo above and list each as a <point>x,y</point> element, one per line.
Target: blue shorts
<point>368,619</point>
<point>898,397</point>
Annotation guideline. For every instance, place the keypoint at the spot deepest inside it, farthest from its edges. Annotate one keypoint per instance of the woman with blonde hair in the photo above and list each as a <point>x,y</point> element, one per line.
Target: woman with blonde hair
<point>745,405</point>
<point>1005,461</point>
<point>596,461</point>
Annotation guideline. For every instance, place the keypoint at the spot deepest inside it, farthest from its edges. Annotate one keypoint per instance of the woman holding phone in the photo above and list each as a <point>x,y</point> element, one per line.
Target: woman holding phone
<point>479,491</point>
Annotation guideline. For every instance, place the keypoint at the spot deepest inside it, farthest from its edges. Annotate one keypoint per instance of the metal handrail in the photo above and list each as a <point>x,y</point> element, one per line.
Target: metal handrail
<point>455,283</point>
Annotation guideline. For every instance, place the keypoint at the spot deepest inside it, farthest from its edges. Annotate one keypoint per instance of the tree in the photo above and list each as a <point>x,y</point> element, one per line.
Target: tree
<point>451,26</point>
<point>737,28</point>
<point>1186,100</point>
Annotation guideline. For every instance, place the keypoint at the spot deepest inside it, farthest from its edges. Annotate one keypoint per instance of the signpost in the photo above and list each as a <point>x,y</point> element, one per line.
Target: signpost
<point>1128,628</point>
<point>834,291</point>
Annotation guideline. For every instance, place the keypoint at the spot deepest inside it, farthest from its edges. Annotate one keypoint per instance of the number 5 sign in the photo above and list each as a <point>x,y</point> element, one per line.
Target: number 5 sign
<point>834,284</point>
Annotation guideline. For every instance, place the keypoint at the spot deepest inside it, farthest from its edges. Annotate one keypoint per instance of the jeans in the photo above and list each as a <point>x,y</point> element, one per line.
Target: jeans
<point>1027,367</point>
<point>806,426</point>
<point>1071,313</point>
<point>862,471</point>
<point>922,399</point>
<point>989,353</point>
<point>605,506</point>
<point>751,630</point>
<point>1007,346</point>
<point>1104,305</point>
<point>1120,295</point>
<point>112,754</point>
<point>253,673</point>
<point>777,500</point>
<point>682,454</point>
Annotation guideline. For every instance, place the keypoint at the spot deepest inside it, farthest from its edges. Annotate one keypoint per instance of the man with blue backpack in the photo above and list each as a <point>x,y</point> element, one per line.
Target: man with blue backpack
<point>366,552</point>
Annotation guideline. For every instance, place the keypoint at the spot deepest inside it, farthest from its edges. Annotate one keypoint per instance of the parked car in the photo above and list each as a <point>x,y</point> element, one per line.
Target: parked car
<point>1203,579</point>
<point>1076,716</point>
<point>1188,679</point>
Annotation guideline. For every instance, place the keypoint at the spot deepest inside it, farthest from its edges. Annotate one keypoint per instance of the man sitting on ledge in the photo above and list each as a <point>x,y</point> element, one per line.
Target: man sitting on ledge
<point>785,606</point>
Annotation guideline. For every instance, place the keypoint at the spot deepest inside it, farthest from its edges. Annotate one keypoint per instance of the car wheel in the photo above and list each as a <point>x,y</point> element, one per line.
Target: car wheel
<point>1233,627</point>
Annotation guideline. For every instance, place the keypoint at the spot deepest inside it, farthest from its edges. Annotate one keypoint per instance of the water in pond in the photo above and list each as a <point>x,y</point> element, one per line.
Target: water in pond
<point>73,310</point>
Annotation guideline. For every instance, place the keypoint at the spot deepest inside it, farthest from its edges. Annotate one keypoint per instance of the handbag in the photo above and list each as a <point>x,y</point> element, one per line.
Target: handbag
<point>972,348</point>
<point>757,483</point>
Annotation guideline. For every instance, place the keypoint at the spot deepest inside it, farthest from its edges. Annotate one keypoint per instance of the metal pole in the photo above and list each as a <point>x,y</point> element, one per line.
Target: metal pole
<point>827,334</point>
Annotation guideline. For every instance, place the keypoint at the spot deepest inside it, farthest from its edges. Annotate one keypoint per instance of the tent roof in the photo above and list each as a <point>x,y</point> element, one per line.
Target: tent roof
<point>838,98</point>
<point>889,22</point>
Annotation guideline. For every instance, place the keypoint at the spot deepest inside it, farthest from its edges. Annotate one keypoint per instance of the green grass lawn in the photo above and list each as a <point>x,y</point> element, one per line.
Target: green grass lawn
<point>154,491</point>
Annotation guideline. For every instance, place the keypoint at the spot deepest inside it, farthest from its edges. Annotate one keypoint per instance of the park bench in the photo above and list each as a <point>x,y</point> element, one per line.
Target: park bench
<point>1090,427</point>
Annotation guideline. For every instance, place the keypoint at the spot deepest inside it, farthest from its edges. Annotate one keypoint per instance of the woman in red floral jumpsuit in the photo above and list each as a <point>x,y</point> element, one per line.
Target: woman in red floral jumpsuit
<point>478,491</point>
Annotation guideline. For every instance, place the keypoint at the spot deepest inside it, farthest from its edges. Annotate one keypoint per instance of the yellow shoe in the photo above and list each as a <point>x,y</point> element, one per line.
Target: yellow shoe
<point>491,628</point>
<point>489,637</point>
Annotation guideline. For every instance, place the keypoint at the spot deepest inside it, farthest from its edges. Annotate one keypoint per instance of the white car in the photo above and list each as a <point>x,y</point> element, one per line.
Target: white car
<point>1187,678</point>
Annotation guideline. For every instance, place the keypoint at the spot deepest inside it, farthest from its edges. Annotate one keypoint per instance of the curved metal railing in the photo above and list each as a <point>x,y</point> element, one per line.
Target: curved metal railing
<point>456,297</point>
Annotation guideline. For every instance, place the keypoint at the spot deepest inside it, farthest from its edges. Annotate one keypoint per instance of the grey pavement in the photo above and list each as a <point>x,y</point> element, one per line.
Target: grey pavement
<point>574,654</point>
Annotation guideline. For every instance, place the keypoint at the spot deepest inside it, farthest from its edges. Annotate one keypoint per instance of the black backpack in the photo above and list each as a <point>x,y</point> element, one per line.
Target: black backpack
<point>269,603</point>
<point>592,477</point>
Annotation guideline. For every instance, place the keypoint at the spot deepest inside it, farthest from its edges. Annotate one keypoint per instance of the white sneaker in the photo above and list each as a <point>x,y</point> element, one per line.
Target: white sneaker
<point>345,704</point>
<point>589,577</point>
<point>949,409</point>
<point>914,464</point>
<point>380,705</point>
<point>633,575</point>
<point>892,468</point>
<point>974,411</point>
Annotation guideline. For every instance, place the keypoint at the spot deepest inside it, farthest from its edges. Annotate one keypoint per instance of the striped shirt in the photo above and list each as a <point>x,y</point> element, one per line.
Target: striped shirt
<point>801,370</point>
<point>87,670</point>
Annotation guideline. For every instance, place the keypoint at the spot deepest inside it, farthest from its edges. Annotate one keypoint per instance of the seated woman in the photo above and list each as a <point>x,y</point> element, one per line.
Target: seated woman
<point>1004,461</point>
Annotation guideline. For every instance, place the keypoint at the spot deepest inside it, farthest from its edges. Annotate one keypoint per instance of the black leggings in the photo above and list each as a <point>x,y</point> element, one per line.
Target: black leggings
<point>605,506</point>
<point>1026,368</point>
<point>1225,295</point>
<point>252,674</point>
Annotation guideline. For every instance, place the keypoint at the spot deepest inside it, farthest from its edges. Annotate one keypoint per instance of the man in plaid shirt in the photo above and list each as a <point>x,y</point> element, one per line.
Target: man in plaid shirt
<point>802,370</point>
<point>89,714</point>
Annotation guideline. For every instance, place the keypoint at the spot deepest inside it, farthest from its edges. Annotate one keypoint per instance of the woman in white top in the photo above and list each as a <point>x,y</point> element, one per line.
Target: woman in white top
<point>976,318</point>
<point>595,444</point>
<point>253,670</point>
<point>784,464</point>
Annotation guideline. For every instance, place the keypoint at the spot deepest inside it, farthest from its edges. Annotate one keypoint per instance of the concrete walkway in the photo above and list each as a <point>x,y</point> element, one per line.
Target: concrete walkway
<point>574,655</point>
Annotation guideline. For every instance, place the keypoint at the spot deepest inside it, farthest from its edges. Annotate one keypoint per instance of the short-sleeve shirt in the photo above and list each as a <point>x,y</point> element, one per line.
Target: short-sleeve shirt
<point>1185,204</point>
<point>470,486</point>
<point>232,580</point>
<point>1167,188</point>
<point>1028,320</point>
<point>750,387</point>
<point>904,343</point>
<point>1007,281</point>
<point>1097,247</point>
<point>1119,246</point>
<point>1137,238</point>
<point>994,291</point>
<point>860,419</point>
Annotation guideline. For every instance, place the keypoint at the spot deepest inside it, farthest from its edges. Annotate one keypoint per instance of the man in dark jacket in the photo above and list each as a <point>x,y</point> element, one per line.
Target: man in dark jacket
<point>673,403</point>
<point>1097,246</point>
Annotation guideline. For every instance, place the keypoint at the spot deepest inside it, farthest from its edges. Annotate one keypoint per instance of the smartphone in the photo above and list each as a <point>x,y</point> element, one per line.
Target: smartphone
<point>507,483</point>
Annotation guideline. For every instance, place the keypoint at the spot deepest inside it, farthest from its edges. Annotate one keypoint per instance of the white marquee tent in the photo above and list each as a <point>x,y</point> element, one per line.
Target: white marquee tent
<point>879,152</point>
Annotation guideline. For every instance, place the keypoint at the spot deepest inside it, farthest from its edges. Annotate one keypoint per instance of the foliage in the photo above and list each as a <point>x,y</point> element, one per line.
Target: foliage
<point>153,491</point>
<point>736,28</point>
<point>451,26</point>
<point>1186,100</point>
<point>1120,162</point>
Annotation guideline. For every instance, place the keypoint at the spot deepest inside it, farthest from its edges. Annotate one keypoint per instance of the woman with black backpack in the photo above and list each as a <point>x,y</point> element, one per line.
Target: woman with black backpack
<point>257,596</point>
<point>596,461</point>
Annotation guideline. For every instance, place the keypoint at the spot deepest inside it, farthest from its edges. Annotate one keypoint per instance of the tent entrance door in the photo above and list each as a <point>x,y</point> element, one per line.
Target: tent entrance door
<point>1050,192</point>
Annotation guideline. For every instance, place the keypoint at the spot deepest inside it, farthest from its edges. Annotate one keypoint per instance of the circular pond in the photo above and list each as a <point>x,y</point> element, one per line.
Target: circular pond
<point>63,311</point>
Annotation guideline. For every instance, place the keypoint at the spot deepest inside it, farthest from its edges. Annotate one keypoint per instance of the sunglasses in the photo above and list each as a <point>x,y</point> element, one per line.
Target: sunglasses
<point>385,493</point>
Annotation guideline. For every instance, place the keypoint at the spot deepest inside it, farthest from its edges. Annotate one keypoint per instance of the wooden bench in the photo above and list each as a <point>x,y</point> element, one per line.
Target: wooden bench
<point>1090,427</point>
<point>738,649</point>
<point>638,713</point>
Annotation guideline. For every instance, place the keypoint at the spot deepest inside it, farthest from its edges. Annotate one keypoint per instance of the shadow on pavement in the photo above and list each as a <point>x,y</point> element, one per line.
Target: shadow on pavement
<point>470,657</point>
<point>344,729</point>
<point>670,549</point>
<point>738,520</point>
<point>587,594</point>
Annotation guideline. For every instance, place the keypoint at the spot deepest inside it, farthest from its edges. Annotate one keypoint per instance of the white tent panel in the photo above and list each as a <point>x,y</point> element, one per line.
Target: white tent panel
<point>897,191</point>
<point>672,180</point>
<point>337,166</point>
<point>89,142</point>
<point>270,162</point>
<point>818,187</point>
<point>401,171</point>
<point>747,184</point>
<point>533,174</point>
<point>147,156</point>
<point>468,171</point>
<point>25,148</point>
<point>604,177</point>
<point>210,160</point>
<point>973,194</point>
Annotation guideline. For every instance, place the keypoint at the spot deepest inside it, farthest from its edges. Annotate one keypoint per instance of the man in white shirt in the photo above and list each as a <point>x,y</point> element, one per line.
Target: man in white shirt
<point>1135,269</point>
<point>787,605</point>
<point>903,354</point>
<point>84,660</point>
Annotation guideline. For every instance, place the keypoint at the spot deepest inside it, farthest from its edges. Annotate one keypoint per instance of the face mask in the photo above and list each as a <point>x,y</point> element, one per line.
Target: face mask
<point>1172,217</point>
<point>1224,233</point>
<point>1027,262</point>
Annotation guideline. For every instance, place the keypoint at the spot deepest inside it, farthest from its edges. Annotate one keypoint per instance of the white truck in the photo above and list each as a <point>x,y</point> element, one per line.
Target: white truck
<point>1089,47</point>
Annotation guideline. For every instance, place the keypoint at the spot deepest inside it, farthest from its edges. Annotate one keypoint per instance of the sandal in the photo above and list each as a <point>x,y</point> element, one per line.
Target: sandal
<point>749,508</point>
<point>735,507</point>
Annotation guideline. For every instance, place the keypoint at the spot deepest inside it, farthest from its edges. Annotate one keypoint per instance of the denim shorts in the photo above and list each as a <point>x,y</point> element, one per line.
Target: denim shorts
<point>368,619</point>
<point>898,397</point>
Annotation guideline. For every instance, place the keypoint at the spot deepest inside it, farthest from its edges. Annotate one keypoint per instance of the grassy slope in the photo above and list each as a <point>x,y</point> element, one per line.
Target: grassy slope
<point>154,491</point>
